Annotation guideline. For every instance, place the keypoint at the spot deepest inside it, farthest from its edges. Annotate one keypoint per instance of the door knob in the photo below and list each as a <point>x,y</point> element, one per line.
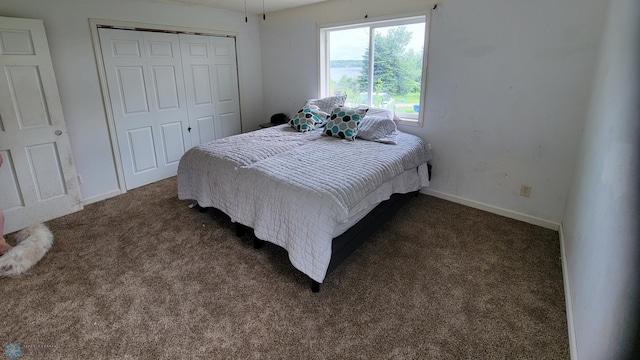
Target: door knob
<point>58,132</point>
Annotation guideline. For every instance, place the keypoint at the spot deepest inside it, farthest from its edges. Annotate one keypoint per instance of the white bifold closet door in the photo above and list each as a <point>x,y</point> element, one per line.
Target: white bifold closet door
<point>38,180</point>
<point>166,97</point>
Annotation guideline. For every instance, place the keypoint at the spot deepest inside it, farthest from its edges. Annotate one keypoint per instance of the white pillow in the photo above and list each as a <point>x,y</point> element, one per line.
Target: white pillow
<point>379,129</point>
<point>380,112</point>
<point>329,103</point>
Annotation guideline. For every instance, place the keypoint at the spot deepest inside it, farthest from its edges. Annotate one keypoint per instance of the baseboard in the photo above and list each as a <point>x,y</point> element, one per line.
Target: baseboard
<point>101,197</point>
<point>493,209</point>
<point>573,346</point>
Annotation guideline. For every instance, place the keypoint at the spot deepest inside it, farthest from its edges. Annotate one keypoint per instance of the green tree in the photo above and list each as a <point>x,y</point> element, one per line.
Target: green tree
<point>396,70</point>
<point>346,86</point>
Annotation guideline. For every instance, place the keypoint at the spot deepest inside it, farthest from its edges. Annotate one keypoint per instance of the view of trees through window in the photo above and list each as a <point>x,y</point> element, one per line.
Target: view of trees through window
<point>396,80</point>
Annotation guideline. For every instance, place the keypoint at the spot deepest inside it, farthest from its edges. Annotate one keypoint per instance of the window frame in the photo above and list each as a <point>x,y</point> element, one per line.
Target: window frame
<point>372,24</point>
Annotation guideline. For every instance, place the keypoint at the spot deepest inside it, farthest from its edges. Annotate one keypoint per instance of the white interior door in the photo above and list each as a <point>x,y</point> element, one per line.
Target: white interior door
<point>211,83</point>
<point>38,177</point>
<point>144,77</point>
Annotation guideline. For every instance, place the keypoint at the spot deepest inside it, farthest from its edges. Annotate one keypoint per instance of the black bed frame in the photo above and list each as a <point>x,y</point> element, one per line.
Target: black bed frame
<point>345,244</point>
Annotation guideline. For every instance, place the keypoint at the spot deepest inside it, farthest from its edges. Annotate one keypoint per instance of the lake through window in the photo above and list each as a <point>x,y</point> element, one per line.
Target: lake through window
<point>380,64</point>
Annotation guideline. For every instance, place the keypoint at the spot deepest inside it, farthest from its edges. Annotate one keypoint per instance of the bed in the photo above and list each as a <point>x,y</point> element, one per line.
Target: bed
<point>311,194</point>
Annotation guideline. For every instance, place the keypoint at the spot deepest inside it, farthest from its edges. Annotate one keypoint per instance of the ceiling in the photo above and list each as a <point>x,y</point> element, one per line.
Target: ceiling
<point>253,6</point>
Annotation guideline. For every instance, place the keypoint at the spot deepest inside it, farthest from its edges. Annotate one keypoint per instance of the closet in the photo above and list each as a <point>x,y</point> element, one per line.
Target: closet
<point>167,93</point>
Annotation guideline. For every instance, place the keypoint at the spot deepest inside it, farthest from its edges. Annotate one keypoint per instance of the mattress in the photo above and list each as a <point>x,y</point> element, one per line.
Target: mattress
<point>296,190</point>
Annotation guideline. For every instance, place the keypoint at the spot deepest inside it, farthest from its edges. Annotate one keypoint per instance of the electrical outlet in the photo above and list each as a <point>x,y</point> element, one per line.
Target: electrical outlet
<point>525,190</point>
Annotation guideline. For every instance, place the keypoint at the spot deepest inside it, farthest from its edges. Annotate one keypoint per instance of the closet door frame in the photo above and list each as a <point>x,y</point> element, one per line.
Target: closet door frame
<point>94,24</point>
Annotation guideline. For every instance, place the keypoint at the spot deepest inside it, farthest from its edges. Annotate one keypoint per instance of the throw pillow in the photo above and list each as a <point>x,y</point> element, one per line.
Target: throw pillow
<point>343,122</point>
<point>306,119</point>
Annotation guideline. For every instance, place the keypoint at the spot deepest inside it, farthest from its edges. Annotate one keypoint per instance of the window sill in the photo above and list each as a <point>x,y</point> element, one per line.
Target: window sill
<point>404,122</point>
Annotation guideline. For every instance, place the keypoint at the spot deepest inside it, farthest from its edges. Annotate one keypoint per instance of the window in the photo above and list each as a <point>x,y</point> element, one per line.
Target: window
<point>390,77</point>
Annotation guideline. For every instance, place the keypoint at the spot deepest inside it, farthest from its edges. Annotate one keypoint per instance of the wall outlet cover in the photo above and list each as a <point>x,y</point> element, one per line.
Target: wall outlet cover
<point>525,190</point>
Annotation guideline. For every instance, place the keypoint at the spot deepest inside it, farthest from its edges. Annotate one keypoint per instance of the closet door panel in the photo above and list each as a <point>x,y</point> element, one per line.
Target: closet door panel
<point>199,85</point>
<point>169,103</point>
<point>146,88</point>
<point>226,81</point>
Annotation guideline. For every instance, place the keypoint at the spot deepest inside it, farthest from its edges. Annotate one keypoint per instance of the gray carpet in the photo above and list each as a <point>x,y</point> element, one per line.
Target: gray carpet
<point>143,276</point>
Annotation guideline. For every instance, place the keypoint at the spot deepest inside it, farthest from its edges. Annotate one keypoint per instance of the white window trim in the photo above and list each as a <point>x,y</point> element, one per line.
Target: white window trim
<point>382,21</point>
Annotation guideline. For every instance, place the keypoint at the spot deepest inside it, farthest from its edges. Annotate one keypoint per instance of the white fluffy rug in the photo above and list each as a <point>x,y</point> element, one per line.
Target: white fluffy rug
<point>32,244</point>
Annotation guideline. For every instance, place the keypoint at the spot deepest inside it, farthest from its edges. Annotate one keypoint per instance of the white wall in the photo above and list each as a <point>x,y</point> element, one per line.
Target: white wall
<point>507,91</point>
<point>602,221</point>
<point>68,33</point>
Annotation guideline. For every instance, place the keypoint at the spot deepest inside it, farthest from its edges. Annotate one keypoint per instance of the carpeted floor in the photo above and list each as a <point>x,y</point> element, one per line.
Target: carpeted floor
<point>143,276</point>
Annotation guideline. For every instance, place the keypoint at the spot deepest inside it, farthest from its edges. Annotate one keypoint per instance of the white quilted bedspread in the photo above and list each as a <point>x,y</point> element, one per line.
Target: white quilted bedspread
<point>294,192</point>
<point>209,173</point>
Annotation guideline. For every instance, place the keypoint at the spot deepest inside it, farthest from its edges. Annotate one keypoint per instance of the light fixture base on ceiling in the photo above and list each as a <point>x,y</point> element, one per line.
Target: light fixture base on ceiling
<point>246,18</point>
